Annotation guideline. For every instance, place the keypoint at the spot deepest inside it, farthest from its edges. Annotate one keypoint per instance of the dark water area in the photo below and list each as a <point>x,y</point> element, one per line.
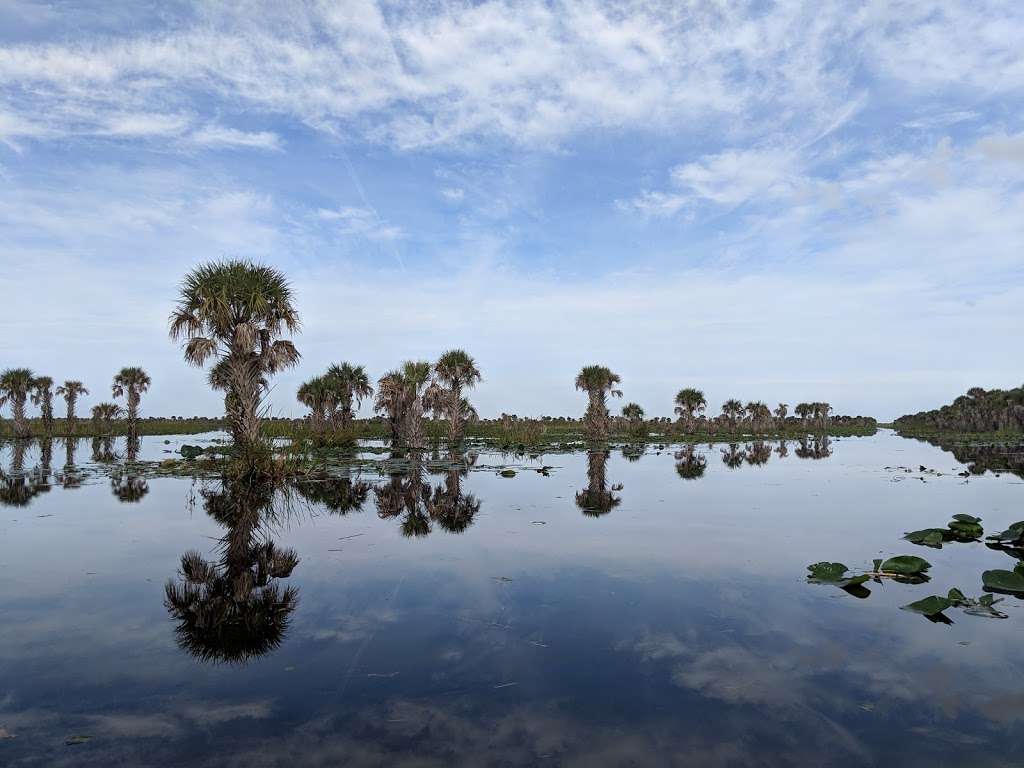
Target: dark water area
<point>644,607</point>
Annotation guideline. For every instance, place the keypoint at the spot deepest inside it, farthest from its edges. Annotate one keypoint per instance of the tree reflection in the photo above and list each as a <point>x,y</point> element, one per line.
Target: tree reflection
<point>127,486</point>
<point>17,487</point>
<point>758,453</point>
<point>820,447</point>
<point>340,495</point>
<point>634,451</point>
<point>409,497</point>
<point>103,450</point>
<point>733,456</point>
<point>598,498</point>
<point>233,609</point>
<point>69,476</point>
<point>690,465</point>
<point>782,449</point>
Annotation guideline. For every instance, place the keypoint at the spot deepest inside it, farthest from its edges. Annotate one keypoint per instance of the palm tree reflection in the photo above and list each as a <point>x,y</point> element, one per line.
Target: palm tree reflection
<point>733,456</point>
<point>340,495</point>
<point>233,609</point>
<point>598,498</point>
<point>758,453</point>
<point>690,465</point>
<point>17,487</point>
<point>409,497</point>
<point>820,447</point>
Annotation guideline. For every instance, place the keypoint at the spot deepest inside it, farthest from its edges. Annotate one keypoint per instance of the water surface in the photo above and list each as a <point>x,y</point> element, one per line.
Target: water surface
<point>643,607</point>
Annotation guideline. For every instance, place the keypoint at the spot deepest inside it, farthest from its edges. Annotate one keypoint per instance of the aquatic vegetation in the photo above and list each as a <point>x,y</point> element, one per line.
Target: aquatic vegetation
<point>836,574</point>
<point>1010,582</point>
<point>1011,537</point>
<point>963,528</point>
<point>933,605</point>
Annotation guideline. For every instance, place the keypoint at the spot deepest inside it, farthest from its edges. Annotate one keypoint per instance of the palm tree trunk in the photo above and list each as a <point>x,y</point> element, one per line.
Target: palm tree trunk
<point>20,424</point>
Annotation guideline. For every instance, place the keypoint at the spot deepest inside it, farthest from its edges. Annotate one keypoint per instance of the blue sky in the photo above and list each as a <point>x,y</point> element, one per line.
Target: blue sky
<point>768,200</point>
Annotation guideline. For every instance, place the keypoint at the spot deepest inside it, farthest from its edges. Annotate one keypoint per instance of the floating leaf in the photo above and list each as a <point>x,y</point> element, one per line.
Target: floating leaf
<point>834,573</point>
<point>508,473</point>
<point>905,565</point>
<point>929,606</point>
<point>1003,581</point>
<point>1012,535</point>
<point>966,518</point>
<point>928,537</point>
<point>966,530</point>
<point>956,597</point>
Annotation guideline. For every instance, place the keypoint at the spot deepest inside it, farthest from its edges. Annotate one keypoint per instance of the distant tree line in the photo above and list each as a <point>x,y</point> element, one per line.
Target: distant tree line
<point>979,410</point>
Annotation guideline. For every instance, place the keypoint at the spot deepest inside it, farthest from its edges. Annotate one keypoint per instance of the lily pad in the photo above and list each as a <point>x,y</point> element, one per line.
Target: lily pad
<point>929,606</point>
<point>1012,535</point>
<point>905,565</point>
<point>508,473</point>
<point>966,528</point>
<point>1003,581</point>
<point>190,451</point>
<point>834,573</point>
<point>927,537</point>
<point>962,518</point>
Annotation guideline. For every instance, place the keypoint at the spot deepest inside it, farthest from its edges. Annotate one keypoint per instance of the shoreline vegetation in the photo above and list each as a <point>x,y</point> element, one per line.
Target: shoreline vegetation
<point>978,414</point>
<point>235,319</point>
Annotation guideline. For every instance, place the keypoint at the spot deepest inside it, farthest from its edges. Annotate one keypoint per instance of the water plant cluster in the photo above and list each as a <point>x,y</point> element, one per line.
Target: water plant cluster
<point>912,569</point>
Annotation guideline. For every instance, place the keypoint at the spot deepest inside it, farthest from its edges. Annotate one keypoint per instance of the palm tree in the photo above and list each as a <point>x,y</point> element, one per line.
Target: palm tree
<point>15,386</point>
<point>803,410</point>
<point>415,377</point>
<point>391,401</point>
<point>348,383</point>
<point>598,382</point>
<point>236,311</point>
<point>71,390</point>
<point>732,410</point>
<point>102,416</point>
<point>42,395</point>
<point>781,412</point>
<point>690,403</point>
<point>454,372</point>
<point>316,395</point>
<point>633,412</point>
<point>131,382</point>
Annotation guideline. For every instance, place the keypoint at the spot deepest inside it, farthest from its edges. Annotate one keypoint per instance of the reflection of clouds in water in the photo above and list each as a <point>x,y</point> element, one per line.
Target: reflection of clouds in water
<point>737,676</point>
<point>353,628</point>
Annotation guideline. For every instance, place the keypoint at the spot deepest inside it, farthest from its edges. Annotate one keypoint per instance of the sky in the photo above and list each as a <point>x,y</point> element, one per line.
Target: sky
<point>782,201</point>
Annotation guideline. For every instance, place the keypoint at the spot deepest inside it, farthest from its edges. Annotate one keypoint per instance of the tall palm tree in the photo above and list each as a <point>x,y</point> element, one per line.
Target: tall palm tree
<point>803,410</point>
<point>598,382</point>
<point>42,395</point>
<point>733,411</point>
<point>454,372</point>
<point>415,378</point>
<point>391,402</point>
<point>349,383</point>
<point>131,382</point>
<point>15,386</point>
<point>71,390</point>
<point>781,411</point>
<point>690,403</point>
<point>236,311</point>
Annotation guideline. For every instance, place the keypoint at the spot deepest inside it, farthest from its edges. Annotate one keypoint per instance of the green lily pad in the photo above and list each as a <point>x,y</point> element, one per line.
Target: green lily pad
<point>929,606</point>
<point>1012,535</point>
<point>508,473</point>
<point>927,537</point>
<point>966,530</point>
<point>190,451</point>
<point>905,565</point>
<point>1003,581</point>
<point>834,573</point>
<point>966,518</point>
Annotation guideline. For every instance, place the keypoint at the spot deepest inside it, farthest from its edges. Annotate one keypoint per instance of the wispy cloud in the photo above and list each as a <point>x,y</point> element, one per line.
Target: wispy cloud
<point>360,221</point>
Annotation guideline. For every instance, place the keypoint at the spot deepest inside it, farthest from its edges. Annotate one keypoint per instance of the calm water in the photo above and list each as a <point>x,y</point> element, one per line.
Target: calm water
<point>636,609</point>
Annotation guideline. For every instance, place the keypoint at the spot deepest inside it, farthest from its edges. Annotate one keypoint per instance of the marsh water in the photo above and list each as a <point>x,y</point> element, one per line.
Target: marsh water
<point>648,606</point>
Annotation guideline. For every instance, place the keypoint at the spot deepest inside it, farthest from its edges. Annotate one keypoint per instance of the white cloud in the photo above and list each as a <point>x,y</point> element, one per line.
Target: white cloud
<point>144,125</point>
<point>222,136</point>
<point>453,194</point>
<point>360,221</point>
<point>532,73</point>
